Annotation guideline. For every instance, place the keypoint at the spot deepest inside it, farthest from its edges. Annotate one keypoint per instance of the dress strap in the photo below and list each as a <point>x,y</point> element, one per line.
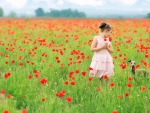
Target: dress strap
<point>97,38</point>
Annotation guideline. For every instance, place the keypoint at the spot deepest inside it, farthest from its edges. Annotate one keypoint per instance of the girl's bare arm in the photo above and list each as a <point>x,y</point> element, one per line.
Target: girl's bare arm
<point>93,46</point>
<point>110,49</point>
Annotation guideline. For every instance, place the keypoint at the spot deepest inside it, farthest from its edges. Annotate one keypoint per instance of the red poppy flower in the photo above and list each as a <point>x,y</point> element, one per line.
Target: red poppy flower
<point>57,58</point>
<point>126,94</point>
<point>8,96</point>
<point>23,96</point>
<point>58,61</point>
<point>69,99</point>
<point>66,82</point>
<point>115,57</point>
<point>57,94</point>
<point>7,56</point>
<point>43,81</point>
<point>13,61</point>
<point>2,91</point>
<point>7,75</point>
<point>20,64</point>
<point>146,56</point>
<point>105,76</point>
<point>61,94</point>
<point>137,66</point>
<point>90,79</point>
<point>120,55</point>
<point>32,63</point>
<point>129,85</point>
<point>84,73</point>
<point>36,75</point>
<point>77,71</point>
<point>73,78</point>
<point>6,62</point>
<point>63,91</point>
<point>90,68</point>
<point>27,61</point>
<point>24,111</point>
<point>123,66</point>
<point>119,97</point>
<point>105,39</point>
<point>115,111</point>
<point>112,84</point>
<point>6,111</point>
<point>129,78</point>
<point>79,62</point>
<point>43,99</point>
<point>144,62</point>
<point>125,59</point>
<point>70,74</point>
<point>143,88</point>
<point>88,57</point>
<point>30,76</point>
<point>118,50</point>
<point>98,89</point>
<point>110,39</point>
<point>73,83</point>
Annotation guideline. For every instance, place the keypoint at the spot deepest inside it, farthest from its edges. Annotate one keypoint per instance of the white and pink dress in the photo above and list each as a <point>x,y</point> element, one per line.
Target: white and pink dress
<point>102,62</point>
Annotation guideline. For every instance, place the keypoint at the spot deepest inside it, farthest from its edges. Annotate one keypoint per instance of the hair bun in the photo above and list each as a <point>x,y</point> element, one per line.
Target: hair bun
<point>102,25</point>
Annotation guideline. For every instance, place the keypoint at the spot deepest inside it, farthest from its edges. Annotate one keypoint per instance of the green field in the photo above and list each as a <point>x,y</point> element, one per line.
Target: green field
<point>45,67</point>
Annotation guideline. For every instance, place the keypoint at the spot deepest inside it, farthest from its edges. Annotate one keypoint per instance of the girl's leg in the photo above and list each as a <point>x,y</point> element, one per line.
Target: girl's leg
<point>107,81</point>
<point>91,73</point>
<point>101,80</point>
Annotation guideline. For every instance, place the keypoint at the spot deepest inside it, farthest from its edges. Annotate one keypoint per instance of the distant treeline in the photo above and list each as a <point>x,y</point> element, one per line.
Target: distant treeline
<point>148,15</point>
<point>69,13</point>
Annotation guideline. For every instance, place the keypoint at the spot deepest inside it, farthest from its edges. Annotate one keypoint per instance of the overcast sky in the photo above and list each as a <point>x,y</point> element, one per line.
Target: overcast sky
<point>88,6</point>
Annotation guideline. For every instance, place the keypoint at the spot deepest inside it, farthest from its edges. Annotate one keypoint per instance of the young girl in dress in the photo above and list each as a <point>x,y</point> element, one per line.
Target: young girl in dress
<point>102,62</point>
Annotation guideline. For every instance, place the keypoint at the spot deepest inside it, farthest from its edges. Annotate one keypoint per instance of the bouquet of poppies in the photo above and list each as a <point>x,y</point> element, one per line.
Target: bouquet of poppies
<point>108,39</point>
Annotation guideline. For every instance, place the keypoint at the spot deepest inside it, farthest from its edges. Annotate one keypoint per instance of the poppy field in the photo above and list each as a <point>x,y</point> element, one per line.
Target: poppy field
<point>45,67</point>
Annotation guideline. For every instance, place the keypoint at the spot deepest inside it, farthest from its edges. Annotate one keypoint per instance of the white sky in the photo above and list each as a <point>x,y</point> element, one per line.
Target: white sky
<point>28,6</point>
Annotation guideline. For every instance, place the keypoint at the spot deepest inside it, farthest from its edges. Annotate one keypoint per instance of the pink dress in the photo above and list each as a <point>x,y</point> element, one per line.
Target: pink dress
<point>102,62</point>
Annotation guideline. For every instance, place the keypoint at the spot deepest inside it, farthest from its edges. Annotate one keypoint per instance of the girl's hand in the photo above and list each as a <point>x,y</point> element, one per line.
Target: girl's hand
<point>110,49</point>
<point>105,46</point>
<point>108,46</point>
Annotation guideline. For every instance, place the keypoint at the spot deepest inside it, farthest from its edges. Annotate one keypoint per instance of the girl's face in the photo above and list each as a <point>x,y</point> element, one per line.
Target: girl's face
<point>107,33</point>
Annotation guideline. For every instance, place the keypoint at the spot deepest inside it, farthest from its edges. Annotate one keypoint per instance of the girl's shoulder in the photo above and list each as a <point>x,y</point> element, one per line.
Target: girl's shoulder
<point>96,37</point>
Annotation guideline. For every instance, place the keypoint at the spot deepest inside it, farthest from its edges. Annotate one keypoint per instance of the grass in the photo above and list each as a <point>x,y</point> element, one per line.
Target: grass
<point>53,49</point>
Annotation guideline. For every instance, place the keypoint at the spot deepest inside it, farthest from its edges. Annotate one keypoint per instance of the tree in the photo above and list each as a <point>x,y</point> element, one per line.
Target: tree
<point>148,15</point>
<point>54,13</point>
<point>39,12</point>
<point>12,14</point>
<point>1,12</point>
<point>65,13</point>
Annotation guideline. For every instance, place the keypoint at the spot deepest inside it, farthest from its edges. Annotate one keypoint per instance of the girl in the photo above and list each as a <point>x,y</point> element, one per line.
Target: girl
<point>102,62</point>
